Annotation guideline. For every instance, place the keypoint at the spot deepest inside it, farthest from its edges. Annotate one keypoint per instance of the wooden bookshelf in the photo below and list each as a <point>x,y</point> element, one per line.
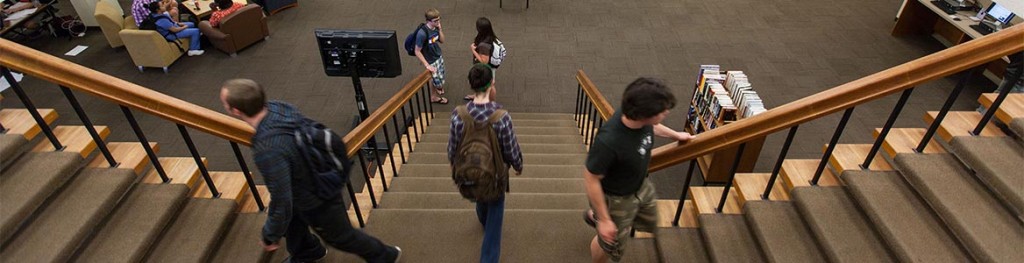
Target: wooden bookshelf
<point>715,167</point>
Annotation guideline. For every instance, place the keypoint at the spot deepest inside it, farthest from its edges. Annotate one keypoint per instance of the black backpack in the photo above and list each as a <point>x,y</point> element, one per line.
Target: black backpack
<point>410,40</point>
<point>325,155</point>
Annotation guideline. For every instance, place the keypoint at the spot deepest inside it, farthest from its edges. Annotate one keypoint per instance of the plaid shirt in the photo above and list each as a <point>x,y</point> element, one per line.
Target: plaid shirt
<point>139,10</point>
<point>506,135</point>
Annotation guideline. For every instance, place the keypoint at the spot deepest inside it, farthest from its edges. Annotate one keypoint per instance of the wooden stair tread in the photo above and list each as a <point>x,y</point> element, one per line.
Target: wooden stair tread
<point>1012,107</point>
<point>75,139</point>
<point>667,212</point>
<point>750,186</point>
<point>961,123</point>
<point>249,204</point>
<point>905,140</point>
<point>851,156</point>
<point>799,172</point>
<point>180,170</point>
<point>706,200</point>
<point>231,185</point>
<point>129,155</point>
<point>19,121</point>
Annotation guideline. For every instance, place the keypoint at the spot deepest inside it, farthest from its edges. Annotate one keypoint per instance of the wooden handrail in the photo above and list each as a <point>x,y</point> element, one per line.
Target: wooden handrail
<point>356,138</point>
<point>600,103</point>
<point>80,78</point>
<point>940,64</point>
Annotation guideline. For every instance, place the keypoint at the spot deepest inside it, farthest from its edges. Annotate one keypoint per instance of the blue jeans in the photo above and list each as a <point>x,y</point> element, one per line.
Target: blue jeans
<point>191,32</point>
<point>491,214</point>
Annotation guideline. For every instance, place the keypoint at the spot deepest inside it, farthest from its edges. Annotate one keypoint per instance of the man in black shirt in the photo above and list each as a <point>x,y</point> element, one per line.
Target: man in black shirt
<point>616,170</point>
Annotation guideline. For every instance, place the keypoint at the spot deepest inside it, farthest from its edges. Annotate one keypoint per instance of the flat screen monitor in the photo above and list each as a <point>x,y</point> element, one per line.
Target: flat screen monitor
<point>999,13</point>
<point>375,52</point>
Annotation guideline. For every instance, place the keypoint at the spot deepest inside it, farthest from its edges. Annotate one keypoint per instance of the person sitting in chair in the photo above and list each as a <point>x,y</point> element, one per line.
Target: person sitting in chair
<point>175,30</point>
<point>221,9</point>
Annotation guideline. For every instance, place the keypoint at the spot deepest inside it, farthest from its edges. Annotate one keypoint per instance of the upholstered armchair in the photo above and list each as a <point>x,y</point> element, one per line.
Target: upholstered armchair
<point>274,6</point>
<point>149,49</point>
<point>112,20</point>
<point>237,30</point>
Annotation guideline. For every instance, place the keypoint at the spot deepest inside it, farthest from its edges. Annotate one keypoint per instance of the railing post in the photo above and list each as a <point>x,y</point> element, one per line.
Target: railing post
<point>431,108</point>
<point>1015,70</point>
<point>89,127</point>
<point>366,175</point>
<point>57,146</point>
<point>414,128</point>
<point>682,196</point>
<point>398,138</point>
<point>199,161</point>
<point>355,204</point>
<point>885,129</point>
<point>391,149</point>
<point>831,145</point>
<point>945,108</point>
<point>417,115</point>
<point>590,123</point>
<point>248,177</point>
<point>380,163</point>
<point>778,164</point>
<point>145,144</point>
<point>732,175</point>
<point>427,103</point>
<point>579,95</point>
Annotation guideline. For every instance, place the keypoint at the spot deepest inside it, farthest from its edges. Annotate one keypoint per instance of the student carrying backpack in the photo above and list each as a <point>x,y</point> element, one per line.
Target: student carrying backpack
<point>410,40</point>
<point>479,170</point>
<point>325,154</point>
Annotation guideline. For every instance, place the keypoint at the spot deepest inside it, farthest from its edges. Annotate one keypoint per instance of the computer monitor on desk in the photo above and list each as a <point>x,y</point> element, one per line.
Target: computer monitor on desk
<point>995,14</point>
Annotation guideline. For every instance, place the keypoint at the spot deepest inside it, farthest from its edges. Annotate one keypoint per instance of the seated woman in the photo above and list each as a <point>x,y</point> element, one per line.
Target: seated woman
<point>221,9</point>
<point>15,11</point>
<point>175,30</point>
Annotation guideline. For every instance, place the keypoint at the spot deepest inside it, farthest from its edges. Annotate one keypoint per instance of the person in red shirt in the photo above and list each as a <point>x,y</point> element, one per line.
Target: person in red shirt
<point>223,9</point>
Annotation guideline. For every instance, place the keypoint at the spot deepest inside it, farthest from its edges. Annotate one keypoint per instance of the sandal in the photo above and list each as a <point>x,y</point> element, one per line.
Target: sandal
<point>440,91</point>
<point>440,100</point>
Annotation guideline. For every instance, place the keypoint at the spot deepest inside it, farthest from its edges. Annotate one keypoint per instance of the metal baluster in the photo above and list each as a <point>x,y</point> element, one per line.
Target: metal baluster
<point>366,175</point>
<point>945,108</point>
<point>586,125</point>
<point>885,129</point>
<point>417,115</point>
<point>379,162</point>
<point>778,164</point>
<point>415,126</point>
<point>1004,90</point>
<point>3,130</point>
<point>405,124</point>
<point>431,110</point>
<point>579,92</point>
<point>199,161</point>
<point>88,127</point>
<point>682,196</point>
<point>57,146</point>
<point>248,176</point>
<point>593,120</point>
<point>427,103</point>
<point>355,204</point>
<point>145,144</point>
<point>600,122</point>
<point>391,149</point>
<point>398,138</point>
<point>732,175</point>
<point>831,145</point>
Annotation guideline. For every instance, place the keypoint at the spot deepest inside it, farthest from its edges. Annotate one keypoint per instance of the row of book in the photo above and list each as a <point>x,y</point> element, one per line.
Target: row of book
<point>721,98</point>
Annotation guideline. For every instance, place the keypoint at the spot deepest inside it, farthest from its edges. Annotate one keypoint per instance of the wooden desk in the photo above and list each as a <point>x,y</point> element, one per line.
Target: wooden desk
<point>45,9</point>
<point>922,17</point>
<point>204,7</point>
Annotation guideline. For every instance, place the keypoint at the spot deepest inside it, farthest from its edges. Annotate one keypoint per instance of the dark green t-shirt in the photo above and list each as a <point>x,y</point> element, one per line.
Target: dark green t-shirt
<point>621,155</point>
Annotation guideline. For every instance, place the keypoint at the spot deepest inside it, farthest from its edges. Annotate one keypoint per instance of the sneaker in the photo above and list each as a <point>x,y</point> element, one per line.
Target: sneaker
<point>588,217</point>
<point>195,52</point>
<point>399,256</point>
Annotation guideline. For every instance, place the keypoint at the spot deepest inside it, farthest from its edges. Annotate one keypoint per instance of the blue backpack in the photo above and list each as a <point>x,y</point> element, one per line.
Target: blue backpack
<point>410,40</point>
<point>325,155</point>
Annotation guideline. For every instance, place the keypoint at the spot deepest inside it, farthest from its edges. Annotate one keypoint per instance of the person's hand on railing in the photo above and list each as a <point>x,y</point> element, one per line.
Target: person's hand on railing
<point>683,136</point>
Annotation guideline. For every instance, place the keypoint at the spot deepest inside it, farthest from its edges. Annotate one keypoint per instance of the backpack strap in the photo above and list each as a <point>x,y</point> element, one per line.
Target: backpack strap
<point>496,116</point>
<point>463,112</point>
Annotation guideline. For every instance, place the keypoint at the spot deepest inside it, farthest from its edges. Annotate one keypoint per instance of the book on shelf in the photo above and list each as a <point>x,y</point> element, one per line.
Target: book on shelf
<point>721,97</point>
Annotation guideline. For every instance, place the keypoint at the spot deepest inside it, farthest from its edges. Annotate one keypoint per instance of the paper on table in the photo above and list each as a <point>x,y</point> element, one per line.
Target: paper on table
<point>3,81</point>
<point>77,50</point>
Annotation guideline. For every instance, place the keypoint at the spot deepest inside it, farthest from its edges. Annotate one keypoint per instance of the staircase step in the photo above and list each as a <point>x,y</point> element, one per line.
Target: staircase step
<point>238,241</point>
<point>518,185</point>
<point>800,172</point>
<point>961,123</point>
<point>641,250</point>
<point>997,162</point>
<point>552,234</point>
<point>194,235</point>
<point>74,138</point>
<point>750,187</point>
<point>851,156</point>
<point>540,116</point>
<point>517,122</point>
<point>728,239</point>
<point>1012,107</point>
<point>530,171</point>
<point>531,159</point>
<point>231,185</point>
<point>781,233</point>
<point>526,148</point>
<point>911,231</point>
<point>27,183</point>
<point>519,130</point>
<point>10,148</point>
<point>136,225</point>
<point>130,155</point>
<point>453,200</point>
<point>71,217</point>
<point>544,139</point>
<point>1017,126</point>
<point>842,231</point>
<point>180,170</point>
<point>905,140</point>
<point>986,228</point>
<point>682,245</point>
<point>706,199</point>
<point>19,121</point>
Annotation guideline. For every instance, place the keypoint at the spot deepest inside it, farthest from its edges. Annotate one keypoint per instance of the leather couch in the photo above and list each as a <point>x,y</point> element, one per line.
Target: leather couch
<point>237,30</point>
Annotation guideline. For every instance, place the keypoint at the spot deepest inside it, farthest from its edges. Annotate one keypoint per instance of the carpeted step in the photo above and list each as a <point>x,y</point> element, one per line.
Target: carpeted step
<point>517,121</point>
<point>238,241</point>
<point>641,250</point>
<point>541,116</point>
<point>728,239</point>
<point>544,139</point>
<point>529,171</point>
<point>910,229</point>
<point>781,233</point>
<point>333,255</point>
<point>194,235</point>
<point>1017,126</point>
<point>11,146</point>
<point>135,226</point>
<point>530,159</point>
<point>526,148</point>
<point>842,231</point>
<point>682,245</point>
<point>538,130</point>
<point>518,185</point>
<point>997,162</point>
<point>28,182</point>
<point>989,231</point>
<point>527,235</point>
<point>71,217</point>
<point>453,200</point>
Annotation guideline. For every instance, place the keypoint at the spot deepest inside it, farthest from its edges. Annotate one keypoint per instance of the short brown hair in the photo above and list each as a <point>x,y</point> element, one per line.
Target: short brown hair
<point>431,14</point>
<point>245,95</point>
<point>645,98</point>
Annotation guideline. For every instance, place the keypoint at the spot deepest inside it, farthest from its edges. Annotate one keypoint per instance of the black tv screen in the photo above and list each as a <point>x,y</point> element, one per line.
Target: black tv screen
<point>375,52</point>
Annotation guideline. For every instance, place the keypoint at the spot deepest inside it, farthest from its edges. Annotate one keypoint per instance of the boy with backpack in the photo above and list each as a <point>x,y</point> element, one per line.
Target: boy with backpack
<point>285,152</point>
<point>481,147</point>
<point>428,39</point>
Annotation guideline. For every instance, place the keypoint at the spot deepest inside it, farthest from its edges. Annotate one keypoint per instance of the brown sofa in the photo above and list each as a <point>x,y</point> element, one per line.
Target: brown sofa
<point>237,30</point>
